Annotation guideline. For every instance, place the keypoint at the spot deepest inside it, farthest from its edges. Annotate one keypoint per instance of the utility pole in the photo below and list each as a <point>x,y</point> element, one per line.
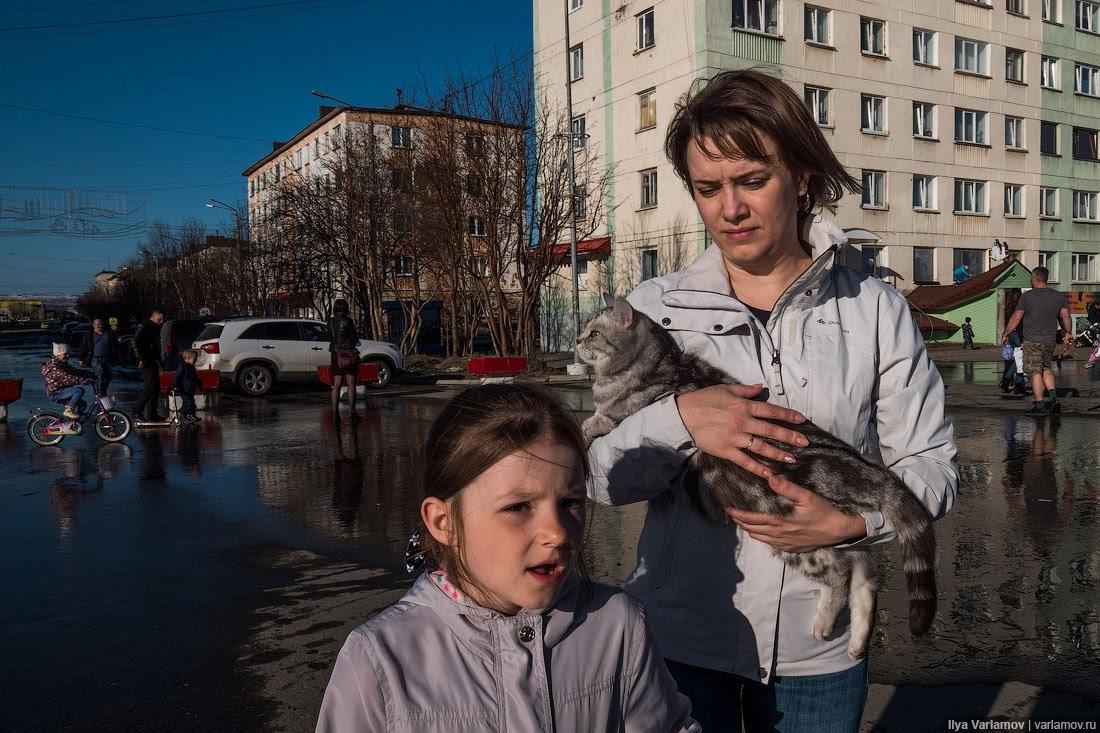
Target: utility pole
<point>577,367</point>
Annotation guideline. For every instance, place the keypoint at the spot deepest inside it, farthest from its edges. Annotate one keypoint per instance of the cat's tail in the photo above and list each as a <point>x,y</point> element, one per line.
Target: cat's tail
<point>917,541</point>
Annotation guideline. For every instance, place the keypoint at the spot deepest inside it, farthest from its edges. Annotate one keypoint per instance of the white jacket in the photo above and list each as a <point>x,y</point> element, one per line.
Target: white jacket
<point>841,348</point>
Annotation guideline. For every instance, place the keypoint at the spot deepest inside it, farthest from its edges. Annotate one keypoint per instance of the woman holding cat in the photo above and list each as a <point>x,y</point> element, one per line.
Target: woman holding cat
<point>769,304</point>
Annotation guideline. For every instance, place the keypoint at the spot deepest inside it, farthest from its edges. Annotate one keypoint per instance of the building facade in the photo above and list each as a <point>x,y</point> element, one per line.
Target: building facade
<point>967,122</point>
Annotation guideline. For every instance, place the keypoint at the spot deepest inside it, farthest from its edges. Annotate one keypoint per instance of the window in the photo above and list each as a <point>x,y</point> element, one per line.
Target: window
<point>970,127</point>
<point>1085,206</point>
<point>1014,132</point>
<point>1086,80</point>
<point>474,143</point>
<point>871,259</point>
<point>580,202</point>
<point>1083,267</point>
<point>924,47</point>
<point>924,120</point>
<point>582,274</point>
<point>924,193</point>
<point>649,264</point>
<point>403,266</point>
<point>645,30</point>
<point>970,197</point>
<point>401,137</point>
<point>1048,203</point>
<point>402,179</point>
<point>1048,75</point>
<point>817,101</point>
<point>273,331</point>
<point>973,259</point>
<point>575,4</point>
<point>1085,144</point>
<point>1048,138</point>
<point>1014,200</point>
<point>873,114</point>
<point>402,223</point>
<point>1052,10</point>
<point>252,188</point>
<point>316,148</point>
<point>649,187</point>
<point>971,57</point>
<point>480,266</point>
<point>647,109</point>
<point>818,28</point>
<point>1016,7</point>
<point>1088,16</point>
<point>278,172</point>
<point>1014,65</point>
<point>1049,260</point>
<point>475,226</point>
<point>872,36</point>
<point>580,139</point>
<point>336,137</point>
<point>874,190</point>
<point>474,185</point>
<point>924,265</point>
<point>757,15</point>
<point>576,62</point>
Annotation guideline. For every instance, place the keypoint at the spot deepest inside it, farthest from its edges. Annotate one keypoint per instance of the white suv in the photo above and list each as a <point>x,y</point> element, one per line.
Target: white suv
<point>255,352</point>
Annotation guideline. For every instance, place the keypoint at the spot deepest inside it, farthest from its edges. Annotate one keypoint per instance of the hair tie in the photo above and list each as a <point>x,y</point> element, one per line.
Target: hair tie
<point>415,554</point>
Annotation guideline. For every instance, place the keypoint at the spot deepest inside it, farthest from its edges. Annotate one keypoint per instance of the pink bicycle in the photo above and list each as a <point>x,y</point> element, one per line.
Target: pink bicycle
<point>50,428</point>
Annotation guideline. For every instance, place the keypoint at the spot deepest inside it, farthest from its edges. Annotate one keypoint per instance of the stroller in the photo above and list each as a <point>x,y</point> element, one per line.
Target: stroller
<point>1089,337</point>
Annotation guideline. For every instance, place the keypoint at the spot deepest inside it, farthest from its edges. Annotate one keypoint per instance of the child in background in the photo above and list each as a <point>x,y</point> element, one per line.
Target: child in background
<point>506,633</point>
<point>64,382</point>
<point>185,383</point>
<point>968,334</point>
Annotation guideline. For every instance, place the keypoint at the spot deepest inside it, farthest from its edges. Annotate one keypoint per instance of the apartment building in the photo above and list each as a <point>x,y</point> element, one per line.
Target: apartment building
<point>968,122</point>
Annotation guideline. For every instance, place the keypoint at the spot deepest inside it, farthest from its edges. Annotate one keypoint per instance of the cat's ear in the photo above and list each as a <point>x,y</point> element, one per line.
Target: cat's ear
<point>608,299</point>
<point>622,313</point>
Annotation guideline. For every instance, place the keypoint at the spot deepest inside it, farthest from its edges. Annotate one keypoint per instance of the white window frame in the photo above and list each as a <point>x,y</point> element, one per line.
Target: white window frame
<point>761,16</point>
<point>932,273</point>
<point>1086,206</point>
<point>649,95</point>
<point>1014,133</point>
<point>475,226</point>
<point>647,182</point>
<point>582,274</point>
<point>973,192</point>
<point>817,101</point>
<point>875,192</point>
<point>1019,9</point>
<point>403,266</point>
<point>872,110</point>
<point>1021,77</point>
<point>925,47</point>
<point>971,56</point>
<point>1014,201</point>
<point>1087,16</point>
<point>575,5</point>
<point>924,193</point>
<point>647,37</point>
<point>1082,267</point>
<point>971,126</point>
<point>576,62</point>
<point>1086,79</point>
<point>337,137</point>
<point>872,37</point>
<point>1094,143</point>
<point>401,137</point>
<point>580,202</point>
<point>649,253</point>
<point>577,130</point>
<point>924,120</point>
<point>1050,76</point>
<point>1052,11</point>
<point>1057,138</point>
<point>1049,260</point>
<point>1048,203</point>
<point>818,25</point>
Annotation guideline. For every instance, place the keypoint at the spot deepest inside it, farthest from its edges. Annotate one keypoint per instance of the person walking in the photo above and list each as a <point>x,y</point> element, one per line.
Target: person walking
<point>1039,311</point>
<point>99,351</point>
<point>146,348</point>
<point>344,349</point>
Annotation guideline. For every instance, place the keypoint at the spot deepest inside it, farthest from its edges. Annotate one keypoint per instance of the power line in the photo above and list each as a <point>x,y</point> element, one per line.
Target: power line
<point>127,165</point>
<point>43,257</point>
<point>63,7</point>
<point>153,17</point>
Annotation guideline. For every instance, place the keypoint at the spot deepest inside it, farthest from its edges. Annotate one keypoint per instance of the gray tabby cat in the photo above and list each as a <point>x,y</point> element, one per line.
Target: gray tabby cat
<point>636,361</point>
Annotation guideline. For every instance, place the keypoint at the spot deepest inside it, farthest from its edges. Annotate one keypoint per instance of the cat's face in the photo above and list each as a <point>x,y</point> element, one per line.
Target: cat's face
<point>607,333</point>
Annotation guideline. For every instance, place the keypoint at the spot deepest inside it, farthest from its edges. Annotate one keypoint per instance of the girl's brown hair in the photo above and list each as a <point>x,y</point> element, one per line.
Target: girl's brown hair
<point>731,111</point>
<point>477,428</point>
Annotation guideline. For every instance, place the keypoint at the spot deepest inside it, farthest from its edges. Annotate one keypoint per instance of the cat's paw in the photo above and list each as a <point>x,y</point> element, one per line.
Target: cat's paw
<point>594,427</point>
<point>857,648</point>
<point>823,628</point>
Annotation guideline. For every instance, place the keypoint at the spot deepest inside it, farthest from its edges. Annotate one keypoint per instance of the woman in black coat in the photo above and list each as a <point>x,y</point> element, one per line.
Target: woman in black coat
<point>345,337</point>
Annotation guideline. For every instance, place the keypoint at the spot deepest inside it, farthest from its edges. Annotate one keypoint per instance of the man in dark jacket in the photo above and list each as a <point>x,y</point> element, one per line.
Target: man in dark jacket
<point>99,350</point>
<point>146,348</point>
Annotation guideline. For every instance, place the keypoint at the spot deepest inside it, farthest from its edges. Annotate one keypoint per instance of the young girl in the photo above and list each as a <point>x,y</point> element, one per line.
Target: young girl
<point>507,633</point>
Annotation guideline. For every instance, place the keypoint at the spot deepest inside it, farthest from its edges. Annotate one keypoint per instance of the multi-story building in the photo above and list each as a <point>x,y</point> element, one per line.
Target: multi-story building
<point>966,121</point>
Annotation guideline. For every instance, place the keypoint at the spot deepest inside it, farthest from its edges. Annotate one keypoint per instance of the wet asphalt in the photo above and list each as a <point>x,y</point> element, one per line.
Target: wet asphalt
<point>204,578</point>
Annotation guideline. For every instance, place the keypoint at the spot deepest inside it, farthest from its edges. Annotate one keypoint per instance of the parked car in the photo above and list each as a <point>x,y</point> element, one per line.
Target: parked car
<point>256,352</point>
<point>177,335</point>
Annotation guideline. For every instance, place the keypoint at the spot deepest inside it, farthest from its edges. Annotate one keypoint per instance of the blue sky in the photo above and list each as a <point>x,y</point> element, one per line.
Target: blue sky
<point>243,77</point>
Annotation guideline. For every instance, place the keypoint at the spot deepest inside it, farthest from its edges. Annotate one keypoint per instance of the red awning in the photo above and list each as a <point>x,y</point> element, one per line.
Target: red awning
<point>598,247</point>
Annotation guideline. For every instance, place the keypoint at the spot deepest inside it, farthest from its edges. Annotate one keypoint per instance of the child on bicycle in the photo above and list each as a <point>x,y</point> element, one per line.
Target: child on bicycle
<point>64,381</point>
<point>504,631</point>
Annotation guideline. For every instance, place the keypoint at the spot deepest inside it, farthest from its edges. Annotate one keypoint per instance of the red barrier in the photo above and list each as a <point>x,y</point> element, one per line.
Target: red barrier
<point>495,366</point>
<point>368,372</point>
<point>11,389</point>
<point>209,380</point>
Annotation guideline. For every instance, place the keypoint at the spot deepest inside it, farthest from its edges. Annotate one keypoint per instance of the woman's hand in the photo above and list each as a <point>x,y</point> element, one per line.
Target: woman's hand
<point>813,523</point>
<point>725,421</point>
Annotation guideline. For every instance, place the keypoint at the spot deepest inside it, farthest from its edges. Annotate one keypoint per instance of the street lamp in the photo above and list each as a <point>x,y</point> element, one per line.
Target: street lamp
<point>322,95</point>
<point>213,203</point>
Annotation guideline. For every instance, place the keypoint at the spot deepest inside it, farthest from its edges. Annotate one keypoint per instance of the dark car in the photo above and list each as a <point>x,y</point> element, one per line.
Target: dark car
<point>177,335</point>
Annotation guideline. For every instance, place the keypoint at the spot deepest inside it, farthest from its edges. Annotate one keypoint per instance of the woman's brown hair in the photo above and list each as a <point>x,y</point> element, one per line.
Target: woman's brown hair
<point>477,428</point>
<point>730,112</point>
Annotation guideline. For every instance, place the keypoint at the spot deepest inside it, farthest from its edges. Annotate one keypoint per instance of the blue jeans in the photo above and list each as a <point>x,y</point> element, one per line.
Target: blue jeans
<point>822,703</point>
<point>73,396</point>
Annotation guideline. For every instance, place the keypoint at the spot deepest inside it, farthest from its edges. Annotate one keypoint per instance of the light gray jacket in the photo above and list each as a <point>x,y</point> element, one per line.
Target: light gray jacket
<point>841,348</point>
<point>429,663</point>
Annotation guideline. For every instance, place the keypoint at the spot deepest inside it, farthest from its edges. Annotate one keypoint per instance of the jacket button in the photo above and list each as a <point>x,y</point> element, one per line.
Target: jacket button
<point>526,634</point>
<point>666,321</point>
<point>763,673</point>
<point>718,327</point>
